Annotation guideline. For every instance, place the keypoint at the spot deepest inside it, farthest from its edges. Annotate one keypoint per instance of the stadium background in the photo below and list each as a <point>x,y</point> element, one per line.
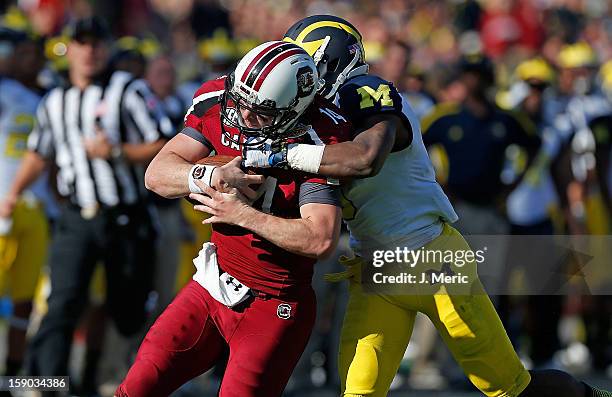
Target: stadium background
<point>416,44</point>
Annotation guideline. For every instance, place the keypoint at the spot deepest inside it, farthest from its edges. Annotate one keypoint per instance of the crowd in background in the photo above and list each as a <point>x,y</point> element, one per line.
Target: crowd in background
<point>515,98</point>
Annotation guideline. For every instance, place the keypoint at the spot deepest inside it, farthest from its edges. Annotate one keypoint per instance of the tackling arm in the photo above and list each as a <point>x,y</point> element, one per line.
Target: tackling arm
<point>365,155</point>
<point>362,157</point>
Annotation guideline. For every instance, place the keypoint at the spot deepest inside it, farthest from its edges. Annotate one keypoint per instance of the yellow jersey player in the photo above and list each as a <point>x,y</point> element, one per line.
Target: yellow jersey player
<point>394,206</point>
<point>24,234</point>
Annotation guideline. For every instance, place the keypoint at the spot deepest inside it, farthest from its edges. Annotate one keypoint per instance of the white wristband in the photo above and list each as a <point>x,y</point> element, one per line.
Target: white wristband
<point>305,158</point>
<point>202,173</point>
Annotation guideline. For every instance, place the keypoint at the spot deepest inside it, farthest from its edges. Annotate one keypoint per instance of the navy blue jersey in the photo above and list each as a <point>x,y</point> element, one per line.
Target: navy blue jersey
<point>375,208</point>
<point>476,148</point>
<point>366,95</point>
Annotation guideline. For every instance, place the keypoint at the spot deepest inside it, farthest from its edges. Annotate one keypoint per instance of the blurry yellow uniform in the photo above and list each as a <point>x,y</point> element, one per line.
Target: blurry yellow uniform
<point>377,329</point>
<point>23,251</point>
<point>23,237</point>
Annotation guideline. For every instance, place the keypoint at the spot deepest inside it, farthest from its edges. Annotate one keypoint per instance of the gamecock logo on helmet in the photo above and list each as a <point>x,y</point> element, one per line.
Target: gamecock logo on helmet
<point>305,81</point>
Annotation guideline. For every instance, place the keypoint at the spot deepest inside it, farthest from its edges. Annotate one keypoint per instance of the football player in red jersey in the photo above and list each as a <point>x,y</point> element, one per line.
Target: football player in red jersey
<point>251,293</point>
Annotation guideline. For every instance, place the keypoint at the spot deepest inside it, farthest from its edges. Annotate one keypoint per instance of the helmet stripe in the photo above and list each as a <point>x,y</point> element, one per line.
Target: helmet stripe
<point>257,58</point>
<point>324,24</point>
<point>284,55</point>
<point>264,59</point>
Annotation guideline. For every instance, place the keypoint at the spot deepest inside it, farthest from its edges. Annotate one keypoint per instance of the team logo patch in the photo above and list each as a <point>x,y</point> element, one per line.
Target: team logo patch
<point>198,172</point>
<point>283,311</point>
<point>305,82</point>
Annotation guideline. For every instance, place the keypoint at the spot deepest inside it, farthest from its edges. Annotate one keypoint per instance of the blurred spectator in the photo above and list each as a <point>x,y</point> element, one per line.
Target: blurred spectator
<point>529,205</point>
<point>582,101</point>
<point>218,53</point>
<point>394,66</point>
<point>474,138</point>
<point>161,79</point>
<point>126,56</point>
<point>24,231</point>
<point>532,205</point>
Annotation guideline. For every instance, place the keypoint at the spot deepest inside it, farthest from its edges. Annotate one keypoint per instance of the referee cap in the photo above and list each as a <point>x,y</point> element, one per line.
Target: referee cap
<point>90,27</point>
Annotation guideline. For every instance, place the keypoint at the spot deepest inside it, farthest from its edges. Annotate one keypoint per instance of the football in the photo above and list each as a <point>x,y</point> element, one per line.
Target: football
<point>221,159</point>
<point>217,160</point>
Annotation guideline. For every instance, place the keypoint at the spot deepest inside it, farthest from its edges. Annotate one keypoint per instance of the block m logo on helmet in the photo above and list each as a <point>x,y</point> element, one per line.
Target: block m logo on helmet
<point>335,46</point>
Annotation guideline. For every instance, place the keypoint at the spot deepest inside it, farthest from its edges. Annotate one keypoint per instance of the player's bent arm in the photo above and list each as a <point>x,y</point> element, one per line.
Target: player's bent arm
<point>168,172</point>
<point>365,155</point>
<point>314,235</point>
<point>32,166</point>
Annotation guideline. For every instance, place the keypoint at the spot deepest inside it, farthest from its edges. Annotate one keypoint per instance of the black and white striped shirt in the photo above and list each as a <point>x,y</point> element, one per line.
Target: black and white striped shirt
<point>67,115</point>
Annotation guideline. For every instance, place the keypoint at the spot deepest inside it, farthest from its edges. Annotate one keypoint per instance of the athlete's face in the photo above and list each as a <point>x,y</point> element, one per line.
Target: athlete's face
<point>255,120</point>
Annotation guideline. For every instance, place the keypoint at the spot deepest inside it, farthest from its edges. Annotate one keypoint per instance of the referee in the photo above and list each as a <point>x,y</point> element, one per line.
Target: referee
<point>100,133</point>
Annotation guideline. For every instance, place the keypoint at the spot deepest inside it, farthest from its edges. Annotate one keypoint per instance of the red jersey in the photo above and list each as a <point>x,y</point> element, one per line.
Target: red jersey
<point>252,260</point>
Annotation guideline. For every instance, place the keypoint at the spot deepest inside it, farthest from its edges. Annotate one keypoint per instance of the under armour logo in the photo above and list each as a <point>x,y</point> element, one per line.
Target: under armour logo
<point>283,311</point>
<point>232,281</point>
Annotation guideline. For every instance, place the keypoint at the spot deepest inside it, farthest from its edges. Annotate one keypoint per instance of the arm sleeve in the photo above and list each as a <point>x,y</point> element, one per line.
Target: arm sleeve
<point>203,101</point>
<point>40,139</point>
<point>143,108</point>
<point>198,136</point>
<point>317,193</point>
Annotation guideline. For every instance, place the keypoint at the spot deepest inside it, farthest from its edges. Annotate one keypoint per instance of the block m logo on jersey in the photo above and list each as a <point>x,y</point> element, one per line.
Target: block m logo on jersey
<point>368,96</point>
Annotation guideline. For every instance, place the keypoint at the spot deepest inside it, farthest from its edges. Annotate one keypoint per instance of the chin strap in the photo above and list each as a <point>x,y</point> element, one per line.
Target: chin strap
<point>349,71</point>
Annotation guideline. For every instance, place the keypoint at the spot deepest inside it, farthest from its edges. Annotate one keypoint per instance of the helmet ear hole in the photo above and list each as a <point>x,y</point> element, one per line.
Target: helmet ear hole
<point>322,67</point>
<point>333,65</point>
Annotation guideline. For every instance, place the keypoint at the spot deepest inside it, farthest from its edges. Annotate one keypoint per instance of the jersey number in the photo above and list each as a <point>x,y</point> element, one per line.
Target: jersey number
<point>15,144</point>
<point>16,141</point>
<point>369,96</point>
<point>335,117</point>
